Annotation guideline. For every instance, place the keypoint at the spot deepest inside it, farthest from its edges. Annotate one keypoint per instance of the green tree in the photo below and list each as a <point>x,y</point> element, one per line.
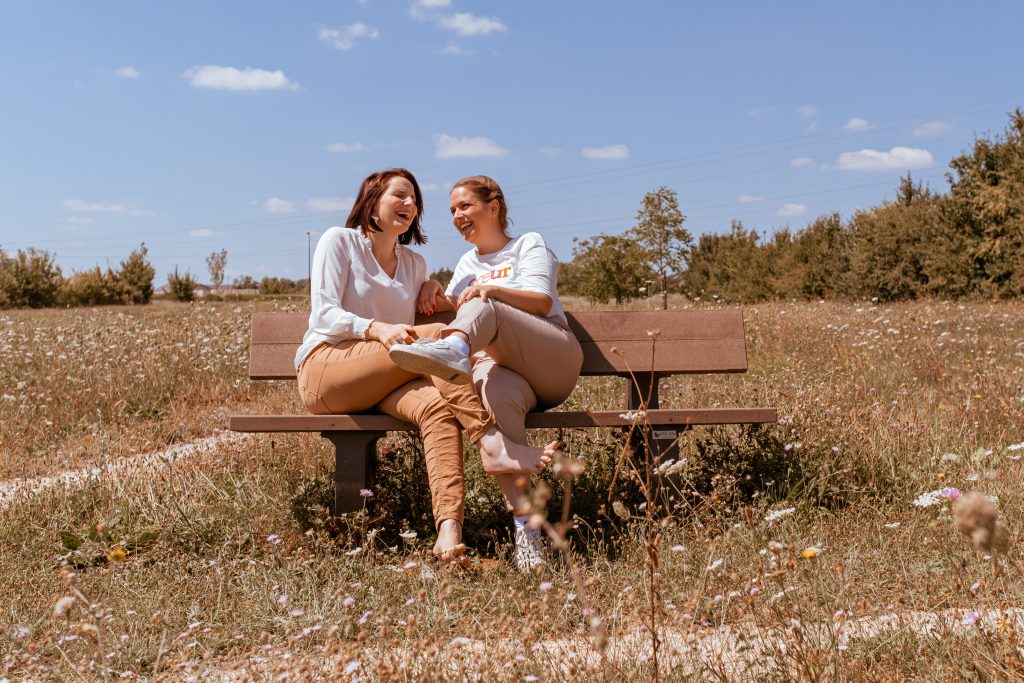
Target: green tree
<point>136,276</point>
<point>983,244</point>
<point>181,287</point>
<point>245,282</point>
<point>659,230</point>
<point>892,245</point>
<point>731,267</point>
<point>216,263</point>
<point>820,259</point>
<point>92,287</point>
<point>29,280</point>
<point>607,267</point>
<point>443,275</point>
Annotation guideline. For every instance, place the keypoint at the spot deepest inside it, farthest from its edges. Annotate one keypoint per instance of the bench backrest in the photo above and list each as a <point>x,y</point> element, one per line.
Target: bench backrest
<point>614,342</point>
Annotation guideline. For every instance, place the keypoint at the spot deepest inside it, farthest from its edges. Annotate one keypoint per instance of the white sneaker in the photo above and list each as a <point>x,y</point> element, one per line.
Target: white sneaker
<point>530,554</point>
<point>433,357</point>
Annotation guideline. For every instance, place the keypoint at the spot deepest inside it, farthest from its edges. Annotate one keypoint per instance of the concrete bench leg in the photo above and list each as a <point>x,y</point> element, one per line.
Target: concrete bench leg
<point>354,457</point>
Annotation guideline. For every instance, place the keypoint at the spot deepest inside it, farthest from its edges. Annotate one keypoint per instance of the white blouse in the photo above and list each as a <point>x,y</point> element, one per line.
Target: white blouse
<point>350,290</point>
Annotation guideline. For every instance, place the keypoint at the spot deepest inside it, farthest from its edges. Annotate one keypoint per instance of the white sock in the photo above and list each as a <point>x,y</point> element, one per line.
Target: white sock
<point>457,343</point>
<point>520,523</point>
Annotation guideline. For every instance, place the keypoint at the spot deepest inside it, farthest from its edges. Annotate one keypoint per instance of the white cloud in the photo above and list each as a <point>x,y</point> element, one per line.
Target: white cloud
<point>80,220</point>
<point>450,147</point>
<point>896,159</point>
<point>202,232</point>
<point>468,24</point>
<point>813,127</point>
<point>609,152</point>
<point>428,187</point>
<point>453,49</point>
<point>806,111</point>
<point>229,78</point>
<point>791,210</point>
<point>749,198</point>
<point>931,129</point>
<point>103,207</point>
<point>418,7</point>
<point>855,124</point>
<point>330,204</point>
<point>278,205</point>
<point>347,147</point>
<point>126,72</point>
<point>801,161</point>
<point>761,111</point>
<point>549,151</point>
<point>344,37</point>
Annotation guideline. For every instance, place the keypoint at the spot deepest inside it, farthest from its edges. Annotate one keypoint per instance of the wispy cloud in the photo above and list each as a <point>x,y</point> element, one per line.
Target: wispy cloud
<point>931,129</point>
<point>80,220</point>
<point>806,111</point>
<point>468,24</point>
<point>800,162</point>
<point>452,49</point>
<point>202,232</point>
<point>126,72</point>
<point>549,151</point>
<point>278,205</point>
<point>345,37</point>
<point>749,198</point>
<point>761,111</point>
<point>329,204</point>
<point>791,210</point>
<point>346,147</point>
<point>103,207</point>
<point>896,159</point>
<point>855,124</point>
<point>421,9</point>
<point>229,78</point>
<point>451,147</point>
<point>609,152</point>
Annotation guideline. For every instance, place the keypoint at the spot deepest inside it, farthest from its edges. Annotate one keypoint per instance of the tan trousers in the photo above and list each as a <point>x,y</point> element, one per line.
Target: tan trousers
<point>545,355</point>
<point>356,375</point>
<point>520,360</point>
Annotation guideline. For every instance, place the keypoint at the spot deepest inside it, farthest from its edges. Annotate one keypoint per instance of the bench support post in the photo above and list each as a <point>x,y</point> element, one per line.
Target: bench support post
<point>354,456</point>
<point>642,391</point>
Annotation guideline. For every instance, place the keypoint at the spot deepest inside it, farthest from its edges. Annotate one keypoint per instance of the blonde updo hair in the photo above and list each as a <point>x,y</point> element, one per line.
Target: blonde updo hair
<point>488,190</point>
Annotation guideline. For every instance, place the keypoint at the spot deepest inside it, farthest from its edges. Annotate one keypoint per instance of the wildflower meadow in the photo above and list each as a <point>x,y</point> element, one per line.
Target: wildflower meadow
<point>869,535</point>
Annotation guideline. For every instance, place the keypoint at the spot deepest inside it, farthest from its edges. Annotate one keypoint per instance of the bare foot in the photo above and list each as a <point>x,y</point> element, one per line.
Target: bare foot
<point>501,455</point>
<point>449,540</point>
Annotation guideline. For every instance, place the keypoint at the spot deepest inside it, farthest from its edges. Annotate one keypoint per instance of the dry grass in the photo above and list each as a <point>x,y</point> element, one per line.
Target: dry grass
<point>197,569</point>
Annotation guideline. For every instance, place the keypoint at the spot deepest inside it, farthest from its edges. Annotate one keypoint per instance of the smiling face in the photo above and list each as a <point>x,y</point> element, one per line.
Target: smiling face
<point>396,208</point>
<point>475,219</point>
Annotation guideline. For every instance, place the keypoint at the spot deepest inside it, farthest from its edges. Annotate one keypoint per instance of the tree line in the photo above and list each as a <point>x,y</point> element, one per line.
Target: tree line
<point>31,278</point>
<point>967,242</point>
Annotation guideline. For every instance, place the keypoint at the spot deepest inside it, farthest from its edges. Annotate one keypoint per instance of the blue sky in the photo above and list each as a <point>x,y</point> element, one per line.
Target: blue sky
<point>197,126</point>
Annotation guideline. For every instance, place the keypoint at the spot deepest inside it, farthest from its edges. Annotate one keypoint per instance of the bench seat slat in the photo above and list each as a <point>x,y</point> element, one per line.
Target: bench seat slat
<point>595,418</point>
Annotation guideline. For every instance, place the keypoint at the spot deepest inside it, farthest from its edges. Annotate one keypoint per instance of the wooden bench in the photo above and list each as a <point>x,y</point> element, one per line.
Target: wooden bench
<point>614,343</point>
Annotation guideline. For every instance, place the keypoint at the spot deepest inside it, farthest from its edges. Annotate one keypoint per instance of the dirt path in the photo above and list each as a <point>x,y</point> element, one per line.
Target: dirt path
<point>14,489</point>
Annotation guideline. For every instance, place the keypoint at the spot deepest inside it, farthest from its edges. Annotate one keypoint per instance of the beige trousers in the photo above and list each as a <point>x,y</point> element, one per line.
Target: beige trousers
<point>356,375</point>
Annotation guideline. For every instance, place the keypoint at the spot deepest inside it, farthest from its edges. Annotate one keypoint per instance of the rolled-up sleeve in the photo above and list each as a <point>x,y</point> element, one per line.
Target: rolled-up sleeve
<point>538,267</point>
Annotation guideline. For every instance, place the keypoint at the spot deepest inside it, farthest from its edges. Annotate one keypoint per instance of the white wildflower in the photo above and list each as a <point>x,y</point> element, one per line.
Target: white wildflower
<point>778,514</point>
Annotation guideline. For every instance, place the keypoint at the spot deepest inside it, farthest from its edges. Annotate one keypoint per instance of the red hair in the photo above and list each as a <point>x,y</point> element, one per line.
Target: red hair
<point>370,193</point>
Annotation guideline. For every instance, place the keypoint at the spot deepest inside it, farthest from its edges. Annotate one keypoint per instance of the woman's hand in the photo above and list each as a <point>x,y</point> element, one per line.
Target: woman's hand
<point>431,298</point>
<point>388,334</point>
<point>485,292</point>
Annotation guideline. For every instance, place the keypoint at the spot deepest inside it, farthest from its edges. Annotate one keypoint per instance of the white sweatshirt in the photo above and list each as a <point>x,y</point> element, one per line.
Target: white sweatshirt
<point>525,264</point>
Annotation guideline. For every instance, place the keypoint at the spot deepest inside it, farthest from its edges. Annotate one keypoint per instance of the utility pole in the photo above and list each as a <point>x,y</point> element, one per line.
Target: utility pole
<point>309,260</point>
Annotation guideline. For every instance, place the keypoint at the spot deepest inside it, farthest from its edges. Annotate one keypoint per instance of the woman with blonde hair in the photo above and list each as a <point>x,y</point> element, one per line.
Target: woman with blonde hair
<point>510,337</point>
<point>364,287</point>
